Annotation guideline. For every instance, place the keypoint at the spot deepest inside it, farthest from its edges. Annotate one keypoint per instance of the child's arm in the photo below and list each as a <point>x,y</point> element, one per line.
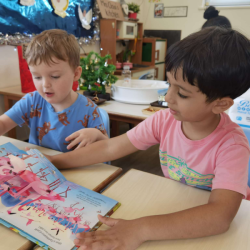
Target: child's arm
<point>85,137</point>
<point>101,151</point>
<point>206,220</point>
<point>6,124</point>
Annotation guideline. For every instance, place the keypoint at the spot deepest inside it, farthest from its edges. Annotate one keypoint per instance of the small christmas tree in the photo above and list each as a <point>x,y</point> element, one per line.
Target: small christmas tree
<point>96,73</point>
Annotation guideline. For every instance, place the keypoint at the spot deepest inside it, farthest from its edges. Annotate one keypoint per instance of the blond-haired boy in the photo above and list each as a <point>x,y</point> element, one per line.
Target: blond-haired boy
<point>55,111</point>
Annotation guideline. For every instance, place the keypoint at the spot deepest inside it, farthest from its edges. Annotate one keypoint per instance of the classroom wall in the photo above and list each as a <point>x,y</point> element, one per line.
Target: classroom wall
<point>239,17</point>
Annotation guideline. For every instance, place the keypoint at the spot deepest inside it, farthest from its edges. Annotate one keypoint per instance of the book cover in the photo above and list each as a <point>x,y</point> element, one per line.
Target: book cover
<point>39,203</point>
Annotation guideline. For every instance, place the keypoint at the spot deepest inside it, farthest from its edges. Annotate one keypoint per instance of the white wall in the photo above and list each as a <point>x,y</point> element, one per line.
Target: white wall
<point>239,17</point>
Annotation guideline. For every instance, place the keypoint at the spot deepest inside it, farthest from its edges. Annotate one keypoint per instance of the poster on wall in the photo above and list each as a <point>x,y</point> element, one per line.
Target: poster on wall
<point>178,11</point>
<point>34,16</point>
<point>158,10</point>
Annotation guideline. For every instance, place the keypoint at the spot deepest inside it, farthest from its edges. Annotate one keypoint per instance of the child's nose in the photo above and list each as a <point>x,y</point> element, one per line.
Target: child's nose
<point>169,97</point>
<point>46,83</point>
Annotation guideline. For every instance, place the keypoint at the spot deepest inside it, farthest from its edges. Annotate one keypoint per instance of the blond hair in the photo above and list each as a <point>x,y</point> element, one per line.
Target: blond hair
<point>51,44</point>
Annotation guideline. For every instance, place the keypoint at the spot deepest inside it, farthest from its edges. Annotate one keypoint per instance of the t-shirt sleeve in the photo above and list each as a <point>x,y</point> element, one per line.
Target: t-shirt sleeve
<point>231,171</point>
<point>20,112</point>
<point>146,133</point>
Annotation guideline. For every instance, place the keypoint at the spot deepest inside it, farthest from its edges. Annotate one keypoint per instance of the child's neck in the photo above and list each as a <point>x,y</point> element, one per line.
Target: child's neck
<point>200,130</point>
<point>71,98</point>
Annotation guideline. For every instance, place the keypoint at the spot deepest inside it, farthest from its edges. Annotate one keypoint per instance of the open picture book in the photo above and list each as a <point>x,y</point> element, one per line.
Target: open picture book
<point>40,204</point>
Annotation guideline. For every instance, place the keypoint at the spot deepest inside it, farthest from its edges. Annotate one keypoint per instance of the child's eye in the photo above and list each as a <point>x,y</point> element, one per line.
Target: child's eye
<point>182,96</point>
<point>37,77</point>
<point>55,77</point>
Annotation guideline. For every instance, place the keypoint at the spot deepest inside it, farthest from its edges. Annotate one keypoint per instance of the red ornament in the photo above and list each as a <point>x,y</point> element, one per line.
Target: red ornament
<point>25,75</point>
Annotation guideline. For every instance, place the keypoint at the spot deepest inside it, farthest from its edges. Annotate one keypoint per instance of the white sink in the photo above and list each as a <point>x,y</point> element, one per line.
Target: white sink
<point>140,92</point>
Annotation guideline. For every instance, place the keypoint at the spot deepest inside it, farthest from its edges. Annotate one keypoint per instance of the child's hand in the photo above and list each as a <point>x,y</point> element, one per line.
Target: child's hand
<point>84,137</point>
<point>123,235</point>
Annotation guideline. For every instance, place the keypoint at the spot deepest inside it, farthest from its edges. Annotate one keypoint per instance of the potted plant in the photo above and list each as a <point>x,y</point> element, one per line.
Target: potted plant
<point>96,75</point>
<point>133,10</point>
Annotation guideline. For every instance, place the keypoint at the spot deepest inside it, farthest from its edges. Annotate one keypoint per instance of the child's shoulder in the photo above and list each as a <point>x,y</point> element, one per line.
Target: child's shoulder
<point>84,100</point>
<point>233,133</point>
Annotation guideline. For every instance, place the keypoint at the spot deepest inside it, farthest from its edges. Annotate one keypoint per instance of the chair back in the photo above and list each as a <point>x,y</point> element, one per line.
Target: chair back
<point>247,133</point>
<point>105,118</point>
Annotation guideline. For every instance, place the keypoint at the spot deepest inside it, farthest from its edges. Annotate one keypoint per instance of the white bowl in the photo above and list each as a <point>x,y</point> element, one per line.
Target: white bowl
<point>140,92</point>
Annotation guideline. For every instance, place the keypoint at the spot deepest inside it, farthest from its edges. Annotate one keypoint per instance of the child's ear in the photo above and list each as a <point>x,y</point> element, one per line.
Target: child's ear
<point>221,105</point>
<point>78,72</point>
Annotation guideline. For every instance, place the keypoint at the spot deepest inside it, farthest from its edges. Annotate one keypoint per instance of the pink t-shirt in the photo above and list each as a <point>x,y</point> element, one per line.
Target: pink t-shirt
<point>219,161</point>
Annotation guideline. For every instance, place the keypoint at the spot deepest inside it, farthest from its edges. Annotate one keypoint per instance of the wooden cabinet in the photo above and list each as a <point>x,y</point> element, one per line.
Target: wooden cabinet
<point>154,51</point>
<point>108,28</point>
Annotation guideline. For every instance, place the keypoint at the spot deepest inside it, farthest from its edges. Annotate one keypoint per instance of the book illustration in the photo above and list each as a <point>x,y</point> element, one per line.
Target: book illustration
<point>39,203</point>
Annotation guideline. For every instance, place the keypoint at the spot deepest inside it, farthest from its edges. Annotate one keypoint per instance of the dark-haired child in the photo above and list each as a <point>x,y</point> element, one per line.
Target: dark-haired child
<point>199,145</point>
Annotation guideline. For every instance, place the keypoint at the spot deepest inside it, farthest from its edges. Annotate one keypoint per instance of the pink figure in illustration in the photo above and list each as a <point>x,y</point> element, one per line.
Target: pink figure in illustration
<point>74,221</point>
<point>52,196</point>
<point>71,209</point>
<point>29,220</point>
<point>85,226</point>
<point>31,196</point>
<point>60,216</point>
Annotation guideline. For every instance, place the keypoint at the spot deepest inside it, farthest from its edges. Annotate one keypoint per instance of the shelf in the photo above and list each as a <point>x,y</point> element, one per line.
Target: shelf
<point>127,39</point>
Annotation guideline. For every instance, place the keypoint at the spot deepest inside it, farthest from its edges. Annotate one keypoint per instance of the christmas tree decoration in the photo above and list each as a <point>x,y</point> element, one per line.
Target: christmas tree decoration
<point>101,76</point>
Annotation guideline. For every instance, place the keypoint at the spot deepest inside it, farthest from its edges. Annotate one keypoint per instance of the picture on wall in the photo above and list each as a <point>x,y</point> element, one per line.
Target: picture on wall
<point>178,11</point>
<point>158,11</point>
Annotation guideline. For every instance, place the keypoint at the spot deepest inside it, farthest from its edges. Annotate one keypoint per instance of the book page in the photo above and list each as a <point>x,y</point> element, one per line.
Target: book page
<point>39,201</point>
<point>56,222</point>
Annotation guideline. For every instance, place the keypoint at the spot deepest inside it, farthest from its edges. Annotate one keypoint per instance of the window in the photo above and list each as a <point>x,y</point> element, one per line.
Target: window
<point>227,2</point>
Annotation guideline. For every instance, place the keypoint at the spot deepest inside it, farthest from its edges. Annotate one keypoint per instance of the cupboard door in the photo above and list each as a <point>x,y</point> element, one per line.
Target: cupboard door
<point>160,72</point>
<point>160,51</point>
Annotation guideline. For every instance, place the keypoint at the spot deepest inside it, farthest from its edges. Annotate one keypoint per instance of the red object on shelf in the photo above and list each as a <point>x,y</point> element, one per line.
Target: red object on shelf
<point>25,75</point>
<point>132,15</point>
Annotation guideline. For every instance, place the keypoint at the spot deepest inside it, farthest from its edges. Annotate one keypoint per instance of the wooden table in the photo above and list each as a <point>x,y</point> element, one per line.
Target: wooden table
<point>143,194</point>
<point>94,177</point>
<point>118,112</point>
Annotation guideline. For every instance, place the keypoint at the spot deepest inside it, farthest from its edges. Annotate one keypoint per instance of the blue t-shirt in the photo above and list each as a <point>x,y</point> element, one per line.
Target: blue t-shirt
<point>49,128</point>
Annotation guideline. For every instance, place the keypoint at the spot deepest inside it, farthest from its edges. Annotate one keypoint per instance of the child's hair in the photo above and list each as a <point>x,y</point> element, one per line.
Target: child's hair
<point>213,19</point>
<point>216,60</point>
<point>51,44</point>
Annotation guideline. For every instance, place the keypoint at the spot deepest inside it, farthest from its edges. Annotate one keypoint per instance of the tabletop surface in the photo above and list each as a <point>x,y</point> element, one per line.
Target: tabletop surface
<point>143,194</point>
<point>90,177</point>
<point>112,107</point>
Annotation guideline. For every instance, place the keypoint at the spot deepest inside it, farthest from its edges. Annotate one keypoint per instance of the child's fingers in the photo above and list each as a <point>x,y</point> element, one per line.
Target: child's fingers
<point>81,145</point>
<point>72,136</point>
<point>74,143</point>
